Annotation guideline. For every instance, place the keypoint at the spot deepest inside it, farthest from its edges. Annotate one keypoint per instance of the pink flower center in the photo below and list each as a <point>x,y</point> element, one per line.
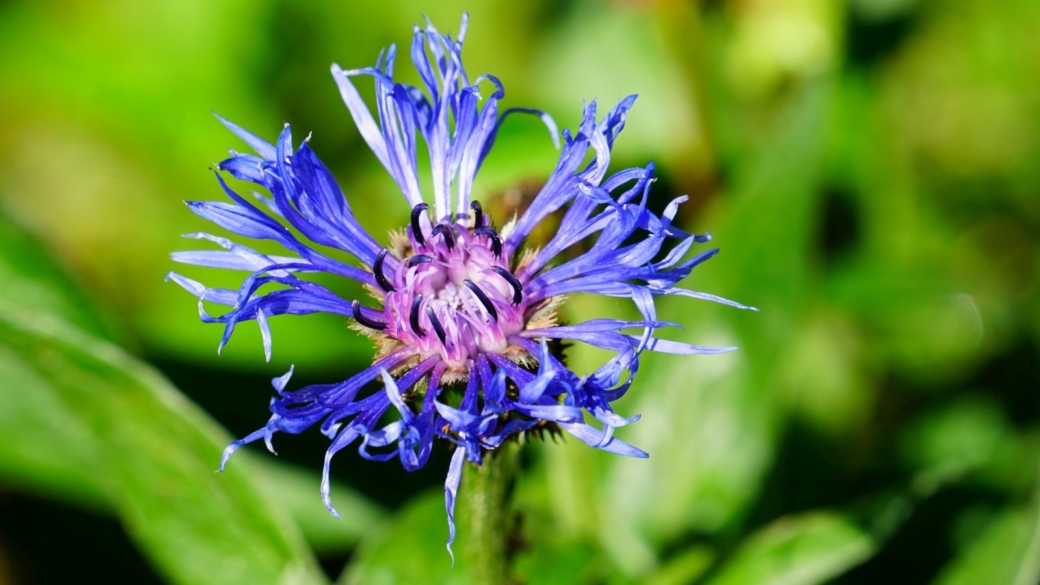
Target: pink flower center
<point>454,293</point>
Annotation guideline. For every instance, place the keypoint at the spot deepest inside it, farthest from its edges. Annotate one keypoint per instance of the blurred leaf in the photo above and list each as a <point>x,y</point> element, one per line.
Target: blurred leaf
<point>551,561</point>
<point>686,567</point>
<point>781,40</point>
<point>46,449</point>
<point>56,455</point>
<point>835,399</point>
<point>1007,552</point>
<point>797,550</point>
<point>971,435</point>
<point>959,437</point>
<point>719,415</point>
<point>32,279</point>
<point>628,42</point>
<point>939,106</point>
<point>298,490</point>
<point>560,545</point>
<point>43,425</point>
<point>154,457</point>
<point>409,549</point>
<point>708,436</point>
<point>100,151</point>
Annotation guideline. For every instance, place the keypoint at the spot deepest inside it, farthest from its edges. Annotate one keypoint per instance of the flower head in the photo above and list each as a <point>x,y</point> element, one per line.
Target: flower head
<point>454,302</point>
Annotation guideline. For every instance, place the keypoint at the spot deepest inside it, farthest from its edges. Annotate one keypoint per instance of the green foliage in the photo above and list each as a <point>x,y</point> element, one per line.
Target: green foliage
<point>1007,552</point>
<point>803,550</point>
<point>154,458</point>
<point>30,279</point>
<point>93,426</point>
<point>409,549</point>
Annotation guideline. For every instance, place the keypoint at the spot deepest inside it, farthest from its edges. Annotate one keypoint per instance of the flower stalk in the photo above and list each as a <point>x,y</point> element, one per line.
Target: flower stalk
<point>486,502</point>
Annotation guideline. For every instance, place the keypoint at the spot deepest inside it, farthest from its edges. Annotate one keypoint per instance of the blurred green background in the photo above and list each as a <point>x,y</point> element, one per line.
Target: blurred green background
<point>869,169</point>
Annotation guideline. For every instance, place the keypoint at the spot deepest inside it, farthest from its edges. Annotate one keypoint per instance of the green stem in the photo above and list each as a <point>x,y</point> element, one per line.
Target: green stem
<point>489,517</point>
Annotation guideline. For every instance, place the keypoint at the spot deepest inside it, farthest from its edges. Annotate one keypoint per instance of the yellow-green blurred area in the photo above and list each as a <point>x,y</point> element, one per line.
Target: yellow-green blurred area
<point>869,168</point>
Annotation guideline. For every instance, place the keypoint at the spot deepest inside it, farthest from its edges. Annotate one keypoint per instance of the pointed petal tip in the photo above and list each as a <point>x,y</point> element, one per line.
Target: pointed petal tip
<point>326,498</point>
<point>635,453</point>
<point>279,382</point>
<point>226,455</point>
<point>270,446</point>
<point>222,119</point>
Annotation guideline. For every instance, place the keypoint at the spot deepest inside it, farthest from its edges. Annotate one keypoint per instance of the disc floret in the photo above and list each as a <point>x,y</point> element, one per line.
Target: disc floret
<point>453,293</point>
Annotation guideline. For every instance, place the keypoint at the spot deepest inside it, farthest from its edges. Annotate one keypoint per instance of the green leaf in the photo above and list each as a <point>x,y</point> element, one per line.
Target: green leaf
<point>409,549</point>
<point>972,439</point>
<point>711,423</point>
<point>44,427</point>
<point>298,490</point>
<point>49,451</point>
<point>798,550</point>
<point>555,561</point>
<point>32,279</point>
<point>558,549</point>
<point>1008,551</point>
<point>56,455</point>
<point>152,454</point>
<point>686,567</point>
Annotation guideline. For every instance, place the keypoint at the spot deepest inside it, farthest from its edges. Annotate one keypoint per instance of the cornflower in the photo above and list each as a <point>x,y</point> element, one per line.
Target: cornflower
<point>460,311</point>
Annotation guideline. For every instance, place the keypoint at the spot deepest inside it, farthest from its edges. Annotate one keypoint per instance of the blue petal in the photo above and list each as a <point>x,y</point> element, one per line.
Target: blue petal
<point>362,116</point>
<point>451,489</point>
<point>593,438</point>
<point>265,332</point>
<point>236,219</point>
<point>280,382</point>
<point>665,346</point>
<point>261,146</point>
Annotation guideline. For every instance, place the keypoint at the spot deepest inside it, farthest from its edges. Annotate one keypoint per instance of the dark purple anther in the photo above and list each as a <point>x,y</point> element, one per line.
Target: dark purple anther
<point>496,242</point>
<point>417,211</point>
<point>413,317</point>
<point>419,259</point>
<point>377,268</point>
<point>483,298</point>
<point>437,325</point>
<point>449,238</point>
<point>518,291</point>
<point>355,308</point>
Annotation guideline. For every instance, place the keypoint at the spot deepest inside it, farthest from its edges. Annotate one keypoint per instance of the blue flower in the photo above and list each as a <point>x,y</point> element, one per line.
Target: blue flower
<point>454,301</point>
